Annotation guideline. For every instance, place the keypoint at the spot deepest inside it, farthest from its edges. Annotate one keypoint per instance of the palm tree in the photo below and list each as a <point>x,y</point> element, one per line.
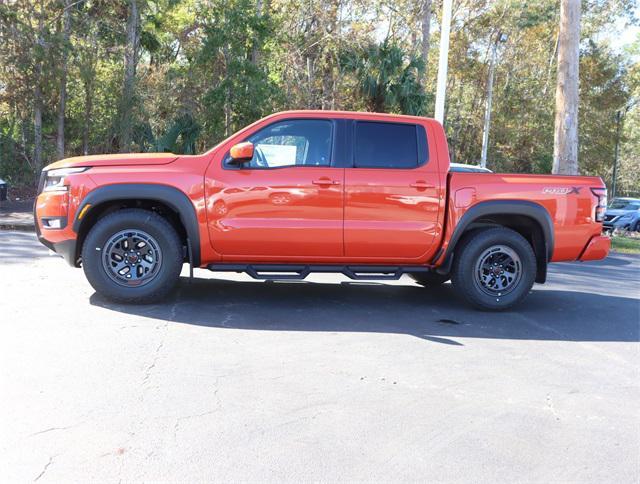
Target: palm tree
<point>387,78</point>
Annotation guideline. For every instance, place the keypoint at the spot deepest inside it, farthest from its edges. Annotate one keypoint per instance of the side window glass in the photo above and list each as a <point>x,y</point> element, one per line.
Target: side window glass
<point>385,145</point>
<point>299,142</point>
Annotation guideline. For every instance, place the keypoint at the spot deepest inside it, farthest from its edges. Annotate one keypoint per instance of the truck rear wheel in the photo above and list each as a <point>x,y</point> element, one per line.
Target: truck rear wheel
<point>494,269</point>
<point>132,256</point>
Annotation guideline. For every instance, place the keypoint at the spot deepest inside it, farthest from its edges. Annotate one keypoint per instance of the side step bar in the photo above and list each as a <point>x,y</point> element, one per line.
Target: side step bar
<point>291,271</point>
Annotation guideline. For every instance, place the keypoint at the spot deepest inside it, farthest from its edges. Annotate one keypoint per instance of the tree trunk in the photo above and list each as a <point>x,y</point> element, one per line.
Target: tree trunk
<point>227,91</point>
<point>88,105</point>
<point>130,64</point>
<point>66,28</point>
<point>37,124</point>
<point>310,82</point>
<point>255,51</point>
<point>37,98</point>
<point>426,36</point>
<point>565,143</point>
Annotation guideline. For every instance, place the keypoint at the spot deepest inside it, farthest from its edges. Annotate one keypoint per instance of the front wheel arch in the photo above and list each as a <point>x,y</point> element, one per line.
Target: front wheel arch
<point>168,201</point>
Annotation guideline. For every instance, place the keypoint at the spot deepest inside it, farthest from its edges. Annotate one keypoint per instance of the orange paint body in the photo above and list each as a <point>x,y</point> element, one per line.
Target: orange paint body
<point>335,214</point>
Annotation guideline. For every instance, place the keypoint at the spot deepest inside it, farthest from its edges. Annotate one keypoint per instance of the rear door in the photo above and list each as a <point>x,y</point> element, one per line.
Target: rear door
<point>391,193</point>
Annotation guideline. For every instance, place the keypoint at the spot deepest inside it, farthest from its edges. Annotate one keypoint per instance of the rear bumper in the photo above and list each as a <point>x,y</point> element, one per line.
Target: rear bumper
<point>597,248</point>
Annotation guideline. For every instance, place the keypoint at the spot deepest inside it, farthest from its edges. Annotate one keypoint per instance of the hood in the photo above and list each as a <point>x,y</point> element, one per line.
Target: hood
<point>617,212</point>
<point>115,160</point>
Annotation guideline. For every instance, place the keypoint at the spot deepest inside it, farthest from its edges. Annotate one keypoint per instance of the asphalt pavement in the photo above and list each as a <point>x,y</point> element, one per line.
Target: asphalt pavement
<point>328,379</point>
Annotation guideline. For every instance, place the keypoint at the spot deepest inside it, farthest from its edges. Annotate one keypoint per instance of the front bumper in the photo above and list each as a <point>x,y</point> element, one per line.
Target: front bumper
<point>65,248</point>
<point>597,248</point>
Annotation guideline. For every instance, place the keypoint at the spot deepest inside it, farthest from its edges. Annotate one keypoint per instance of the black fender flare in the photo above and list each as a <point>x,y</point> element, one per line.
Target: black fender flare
<point>171,196</point>
<point>532,210</point>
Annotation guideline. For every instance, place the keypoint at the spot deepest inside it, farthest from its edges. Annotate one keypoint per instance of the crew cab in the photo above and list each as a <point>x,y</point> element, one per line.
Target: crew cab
<point>364,194</point>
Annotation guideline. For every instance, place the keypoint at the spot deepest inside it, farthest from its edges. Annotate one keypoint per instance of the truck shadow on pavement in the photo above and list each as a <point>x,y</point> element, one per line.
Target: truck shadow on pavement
<point>437,314</point>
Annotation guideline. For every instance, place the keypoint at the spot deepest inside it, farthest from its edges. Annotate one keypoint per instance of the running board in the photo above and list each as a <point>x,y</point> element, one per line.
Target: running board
<point>291,271</point>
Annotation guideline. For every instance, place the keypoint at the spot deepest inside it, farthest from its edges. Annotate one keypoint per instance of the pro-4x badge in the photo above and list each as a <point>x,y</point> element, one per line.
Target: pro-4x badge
<point>561,190</point>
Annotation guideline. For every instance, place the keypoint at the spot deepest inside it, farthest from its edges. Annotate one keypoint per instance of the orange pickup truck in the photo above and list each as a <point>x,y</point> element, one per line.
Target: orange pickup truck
<point>364,194</point>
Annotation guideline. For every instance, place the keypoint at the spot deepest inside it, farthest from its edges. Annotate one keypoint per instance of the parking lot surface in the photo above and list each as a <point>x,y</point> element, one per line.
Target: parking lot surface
<point>327,379</point>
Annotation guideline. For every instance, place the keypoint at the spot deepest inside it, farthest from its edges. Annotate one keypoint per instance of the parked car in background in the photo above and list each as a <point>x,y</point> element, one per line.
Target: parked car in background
<point>461,167</point>
<point>623,214</point>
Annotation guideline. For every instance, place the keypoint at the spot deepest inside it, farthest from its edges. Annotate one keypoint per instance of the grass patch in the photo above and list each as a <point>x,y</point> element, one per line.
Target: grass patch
<point>628,243</point>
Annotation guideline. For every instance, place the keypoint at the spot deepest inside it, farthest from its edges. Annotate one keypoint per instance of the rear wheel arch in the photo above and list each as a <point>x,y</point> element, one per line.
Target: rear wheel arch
<point>529,219</point>
<point>169,202</point>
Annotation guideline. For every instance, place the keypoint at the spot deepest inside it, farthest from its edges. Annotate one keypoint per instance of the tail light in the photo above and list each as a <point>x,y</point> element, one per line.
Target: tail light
<point>601,207</point>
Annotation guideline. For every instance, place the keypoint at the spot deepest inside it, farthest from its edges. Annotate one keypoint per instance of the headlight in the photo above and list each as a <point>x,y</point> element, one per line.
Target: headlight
<point>54,179</point>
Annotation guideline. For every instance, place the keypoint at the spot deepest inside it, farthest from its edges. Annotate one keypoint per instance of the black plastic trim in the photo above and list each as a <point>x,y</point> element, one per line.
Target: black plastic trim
<point>503,207</point>
<point>63,222</point>
<point>66,249</point>
<point>171,196</point>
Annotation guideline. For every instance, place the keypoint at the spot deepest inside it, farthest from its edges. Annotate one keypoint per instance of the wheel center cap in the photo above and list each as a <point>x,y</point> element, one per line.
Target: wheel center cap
<point>132,258</point>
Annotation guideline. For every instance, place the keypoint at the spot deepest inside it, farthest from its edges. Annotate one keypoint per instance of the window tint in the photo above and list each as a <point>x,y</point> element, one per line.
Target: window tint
<point>385,145</point>
<point>300,142</point>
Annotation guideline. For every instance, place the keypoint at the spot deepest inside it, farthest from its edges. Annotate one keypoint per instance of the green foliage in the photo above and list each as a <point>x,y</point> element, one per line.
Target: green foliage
<point>387,78</point>
<point>626,243</point>
<point>179,138</point>
<point>240,91</point>
<point>209,67</point>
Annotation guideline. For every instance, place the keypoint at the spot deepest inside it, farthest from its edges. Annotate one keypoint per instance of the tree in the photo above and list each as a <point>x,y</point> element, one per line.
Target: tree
<point>387,78</point>
<point>132,75</point>
<point>565,141</point>
<point>426,35</point>
<point>130,65</point>
<point>66,31</point>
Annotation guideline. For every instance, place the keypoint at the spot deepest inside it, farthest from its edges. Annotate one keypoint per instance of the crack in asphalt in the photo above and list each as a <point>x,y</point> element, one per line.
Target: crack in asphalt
<point>165,327</point>
<point>44,469</point>
<point>179,420</point>
<point>50,429</point>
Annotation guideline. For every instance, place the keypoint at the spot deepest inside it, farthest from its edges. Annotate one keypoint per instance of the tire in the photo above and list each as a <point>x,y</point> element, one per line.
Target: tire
<point>430,279</point>
<point>494,269</point>
<point>112,245</point>
<point>637,226</point>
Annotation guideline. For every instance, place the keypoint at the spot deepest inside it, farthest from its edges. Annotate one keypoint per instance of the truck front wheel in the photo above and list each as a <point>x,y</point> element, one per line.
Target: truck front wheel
<point>132,256</point>
<point>494,269</point>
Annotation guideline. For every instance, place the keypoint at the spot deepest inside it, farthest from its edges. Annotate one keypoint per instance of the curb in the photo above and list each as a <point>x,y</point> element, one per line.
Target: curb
<point>17,226</point>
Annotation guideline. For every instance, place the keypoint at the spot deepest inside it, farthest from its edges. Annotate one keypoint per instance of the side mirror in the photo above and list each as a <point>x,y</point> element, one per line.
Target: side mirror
<point>241,152</point>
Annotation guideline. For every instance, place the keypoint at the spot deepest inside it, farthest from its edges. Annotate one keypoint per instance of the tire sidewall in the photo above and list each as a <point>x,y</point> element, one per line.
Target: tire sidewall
<point>132,219</point>
<point>471,252</point>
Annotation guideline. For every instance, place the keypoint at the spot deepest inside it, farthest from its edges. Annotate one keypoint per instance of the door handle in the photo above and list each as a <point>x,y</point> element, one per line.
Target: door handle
<point>325,182</point>
<point>421,185</point>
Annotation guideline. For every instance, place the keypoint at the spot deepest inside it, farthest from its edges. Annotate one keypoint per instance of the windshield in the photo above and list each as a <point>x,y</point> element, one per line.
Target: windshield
<point>619,204</point>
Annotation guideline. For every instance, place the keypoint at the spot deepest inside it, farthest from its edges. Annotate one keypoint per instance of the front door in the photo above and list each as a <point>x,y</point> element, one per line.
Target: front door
<point>392,191</point>
<point>286,203</point>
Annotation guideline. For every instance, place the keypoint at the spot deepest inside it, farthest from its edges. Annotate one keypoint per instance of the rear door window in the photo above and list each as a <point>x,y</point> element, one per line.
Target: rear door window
<point>387,145</point>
